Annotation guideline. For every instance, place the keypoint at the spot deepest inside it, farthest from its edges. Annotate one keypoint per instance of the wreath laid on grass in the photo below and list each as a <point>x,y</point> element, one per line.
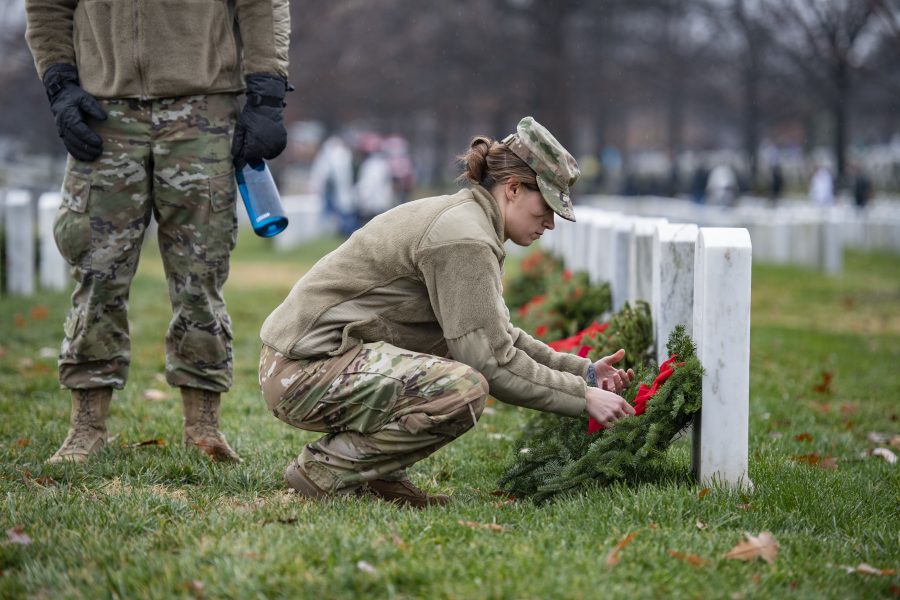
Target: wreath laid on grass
<point>557,454</point>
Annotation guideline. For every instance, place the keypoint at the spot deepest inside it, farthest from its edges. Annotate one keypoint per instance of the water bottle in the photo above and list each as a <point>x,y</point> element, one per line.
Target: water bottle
<point>261,199</point>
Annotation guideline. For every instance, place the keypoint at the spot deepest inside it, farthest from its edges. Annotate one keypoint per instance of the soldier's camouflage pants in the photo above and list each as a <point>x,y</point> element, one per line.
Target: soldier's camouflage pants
<point>383,408</point>
<point>168,157</point>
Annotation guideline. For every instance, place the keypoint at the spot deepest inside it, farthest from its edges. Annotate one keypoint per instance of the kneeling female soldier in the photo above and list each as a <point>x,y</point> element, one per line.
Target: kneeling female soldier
<point>391,343</point>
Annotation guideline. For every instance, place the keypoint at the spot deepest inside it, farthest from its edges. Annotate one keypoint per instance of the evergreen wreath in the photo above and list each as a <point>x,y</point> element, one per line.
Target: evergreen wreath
<point>558,455</point>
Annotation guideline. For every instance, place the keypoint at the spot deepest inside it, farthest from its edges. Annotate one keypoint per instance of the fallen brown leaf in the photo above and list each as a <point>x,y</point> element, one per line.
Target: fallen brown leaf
<point>502,494</point>
<point>828,463</point>
<point>287,521</point>
<point>489,526</point>
<point>41,480</point>
<point>156,442</point>
<point>821,407</point>
<point>398,541</point>
<point>196,588</point>
<point>691,559</point>
<point>849,408</point>
<point>763,546</point>
<point>803,437</point>
<point>867,569</point>
<point>703,492</point>
<point>17,535</point>
<point>814,459</point>
<point>39,312</point>
<point>824,387</point>
<point>615,555</point>
<point>22,442</point>
<point>19,321</point>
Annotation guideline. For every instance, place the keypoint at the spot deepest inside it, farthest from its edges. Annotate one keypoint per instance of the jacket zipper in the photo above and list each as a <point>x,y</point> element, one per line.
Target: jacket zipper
<point>137,47</point>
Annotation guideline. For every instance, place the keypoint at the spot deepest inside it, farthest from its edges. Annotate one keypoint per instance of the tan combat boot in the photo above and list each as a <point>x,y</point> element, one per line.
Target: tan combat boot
<point>87,426</point>
<point>201,424</point>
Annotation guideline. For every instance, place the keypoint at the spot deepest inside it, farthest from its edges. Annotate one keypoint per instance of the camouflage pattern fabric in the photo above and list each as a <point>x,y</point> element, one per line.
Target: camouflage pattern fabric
<point>171,157</point>
<point>556,169</point>
<point>383,408</point>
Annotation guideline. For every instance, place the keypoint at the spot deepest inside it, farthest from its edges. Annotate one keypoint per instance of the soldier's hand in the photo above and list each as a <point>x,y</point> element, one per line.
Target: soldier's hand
<point>259,133</point>
<point>606,407</point>
<point>71,107</point>
<point>609,377</point>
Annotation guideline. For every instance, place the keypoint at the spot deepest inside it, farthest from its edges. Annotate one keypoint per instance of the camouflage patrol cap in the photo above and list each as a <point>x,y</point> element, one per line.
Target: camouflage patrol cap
<point>556,169</point>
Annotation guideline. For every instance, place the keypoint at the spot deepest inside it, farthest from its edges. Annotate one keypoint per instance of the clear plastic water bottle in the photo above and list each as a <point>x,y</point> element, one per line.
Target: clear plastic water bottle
<point>261,199</point>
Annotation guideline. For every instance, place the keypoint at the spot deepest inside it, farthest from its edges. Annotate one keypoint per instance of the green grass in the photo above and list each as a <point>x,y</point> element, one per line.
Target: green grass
<point>158,521</point>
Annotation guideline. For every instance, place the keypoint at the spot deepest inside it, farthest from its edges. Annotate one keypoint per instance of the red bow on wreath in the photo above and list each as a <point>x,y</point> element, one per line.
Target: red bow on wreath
<point>644,392</point>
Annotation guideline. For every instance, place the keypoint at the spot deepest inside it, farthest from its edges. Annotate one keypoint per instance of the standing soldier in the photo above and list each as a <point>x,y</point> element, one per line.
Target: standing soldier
<point>144,95</point>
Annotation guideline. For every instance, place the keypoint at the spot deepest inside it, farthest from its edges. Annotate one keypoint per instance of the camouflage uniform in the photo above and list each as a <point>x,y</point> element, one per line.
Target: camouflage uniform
<point>383,408</point>
<point>170,157</point>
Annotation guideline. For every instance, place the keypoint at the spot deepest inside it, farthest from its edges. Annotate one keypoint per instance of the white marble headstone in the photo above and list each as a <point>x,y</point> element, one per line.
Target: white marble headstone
<point>672,294</point>
<point>623,231</point>
<point>721,330</point>
<point>20,240</point>
<point>53,271</point>
<point>640,266</point>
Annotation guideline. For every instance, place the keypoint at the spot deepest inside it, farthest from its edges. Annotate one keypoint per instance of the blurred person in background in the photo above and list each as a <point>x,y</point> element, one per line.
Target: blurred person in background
<point>722,186</point>
<point>402,170</point>
<point>821,187</point>
<point>390,344</point>
<point>144,96</point>
<point>374,188</point>
<point>776,183</point>
<point>862,186</point>
<point>331,176</point>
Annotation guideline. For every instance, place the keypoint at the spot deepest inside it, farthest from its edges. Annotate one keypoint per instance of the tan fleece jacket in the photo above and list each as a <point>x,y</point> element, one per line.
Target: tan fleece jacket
<point>425,276</point>
<point>159,49</point>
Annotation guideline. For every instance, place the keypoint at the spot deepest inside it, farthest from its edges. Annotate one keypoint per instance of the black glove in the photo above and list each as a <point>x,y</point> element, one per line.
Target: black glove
<point>69,104</point>
<point>259,132</point>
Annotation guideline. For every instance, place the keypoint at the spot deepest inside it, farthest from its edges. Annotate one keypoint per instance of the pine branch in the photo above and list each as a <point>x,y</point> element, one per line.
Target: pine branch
<point>556,455</point>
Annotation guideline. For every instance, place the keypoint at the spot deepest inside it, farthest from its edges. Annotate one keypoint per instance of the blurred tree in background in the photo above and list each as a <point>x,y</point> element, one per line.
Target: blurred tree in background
<point>635,75</point>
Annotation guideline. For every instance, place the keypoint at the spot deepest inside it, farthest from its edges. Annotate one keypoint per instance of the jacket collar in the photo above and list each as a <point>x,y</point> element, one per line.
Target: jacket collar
<point>489,205</point>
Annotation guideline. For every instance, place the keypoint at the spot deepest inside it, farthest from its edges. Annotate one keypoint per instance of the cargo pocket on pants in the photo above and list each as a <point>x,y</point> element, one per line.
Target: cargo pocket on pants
<point>206,345</point>
<point>72,225</point>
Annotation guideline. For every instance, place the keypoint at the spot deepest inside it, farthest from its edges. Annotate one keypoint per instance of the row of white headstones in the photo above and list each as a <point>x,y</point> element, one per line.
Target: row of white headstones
<point>792,232</point>
<point>694,276</point>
